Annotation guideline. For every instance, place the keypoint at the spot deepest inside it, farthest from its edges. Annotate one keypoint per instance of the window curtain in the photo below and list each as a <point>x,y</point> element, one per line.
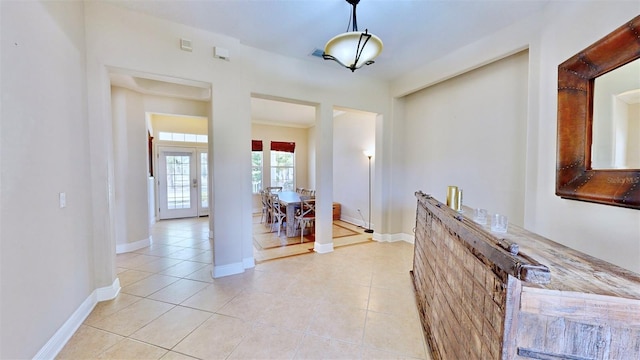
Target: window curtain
<point>283,146</point>
<point>256,145</point>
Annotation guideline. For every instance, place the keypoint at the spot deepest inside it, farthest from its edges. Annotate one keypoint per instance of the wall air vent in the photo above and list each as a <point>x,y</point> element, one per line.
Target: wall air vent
<point>186,45</point>
<point>221,53</point>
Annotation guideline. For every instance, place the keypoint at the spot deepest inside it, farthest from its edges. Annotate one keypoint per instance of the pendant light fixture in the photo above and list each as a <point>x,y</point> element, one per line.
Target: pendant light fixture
<point>353,49</point>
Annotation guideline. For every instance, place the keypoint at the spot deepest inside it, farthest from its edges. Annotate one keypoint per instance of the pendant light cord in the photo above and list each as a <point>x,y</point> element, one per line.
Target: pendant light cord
<point>353,15</point>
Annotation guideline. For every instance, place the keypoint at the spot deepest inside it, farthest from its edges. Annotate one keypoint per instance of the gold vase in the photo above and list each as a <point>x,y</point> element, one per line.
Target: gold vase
<point>452,195</point>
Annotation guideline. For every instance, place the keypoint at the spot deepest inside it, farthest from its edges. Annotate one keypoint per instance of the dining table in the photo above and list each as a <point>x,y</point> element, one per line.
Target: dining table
<point>291,201</point>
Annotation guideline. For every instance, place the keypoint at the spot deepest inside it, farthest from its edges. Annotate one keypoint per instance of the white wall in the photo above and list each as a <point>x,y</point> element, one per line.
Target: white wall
<point>46,252</point>
<point>633,137</point>
<point>469,131</point>
<point>131,170</point>
<point>353,133</point>
<point>311,148</point>
<point>608,232</point>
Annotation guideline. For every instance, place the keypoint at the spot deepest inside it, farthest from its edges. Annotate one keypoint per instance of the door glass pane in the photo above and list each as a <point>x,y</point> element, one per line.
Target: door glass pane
<point>204,185</point>
<point>178,183</point>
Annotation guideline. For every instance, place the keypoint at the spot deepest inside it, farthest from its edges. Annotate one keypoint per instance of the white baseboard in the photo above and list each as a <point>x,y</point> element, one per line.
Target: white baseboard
<point>323,248</point>
<point>249,263</point>
<point>129,247</point>
<point>226,270</point>
<point>352,220</point>
<point>108,292</point>
<point>55,344</point>
<point>393,237</point>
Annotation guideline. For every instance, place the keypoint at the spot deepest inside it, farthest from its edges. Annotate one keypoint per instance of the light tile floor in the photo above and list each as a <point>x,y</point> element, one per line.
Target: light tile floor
<point>354,303</point>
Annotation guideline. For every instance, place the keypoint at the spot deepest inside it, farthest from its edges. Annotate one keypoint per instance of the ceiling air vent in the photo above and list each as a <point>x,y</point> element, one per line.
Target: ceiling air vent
<point>317,53</point>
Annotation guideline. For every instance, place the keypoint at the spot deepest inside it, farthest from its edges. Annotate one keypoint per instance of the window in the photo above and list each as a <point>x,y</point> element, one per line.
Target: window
<point>282,170</point>
<point>256,165</point>
<point>282,164</point>
<point>256,171</point>
<point>169,136</point>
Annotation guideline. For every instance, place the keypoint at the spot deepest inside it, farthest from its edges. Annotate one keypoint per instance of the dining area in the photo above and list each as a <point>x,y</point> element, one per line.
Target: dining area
<point>289,212</point>
<point>286,227</point>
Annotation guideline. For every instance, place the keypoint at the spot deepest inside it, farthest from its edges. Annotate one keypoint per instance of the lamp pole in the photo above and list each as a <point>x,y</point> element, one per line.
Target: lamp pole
<point>368,229</point>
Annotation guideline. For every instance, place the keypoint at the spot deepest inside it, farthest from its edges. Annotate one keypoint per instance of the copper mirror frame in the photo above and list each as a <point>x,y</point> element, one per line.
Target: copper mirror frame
<point>575,179</point>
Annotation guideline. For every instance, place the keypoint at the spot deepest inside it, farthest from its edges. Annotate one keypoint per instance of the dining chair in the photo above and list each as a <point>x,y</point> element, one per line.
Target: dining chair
<point>307,215</point>
<point>274,189</point>
<point>265,206</point>
<point>300,190</point>
<point>276,212</point>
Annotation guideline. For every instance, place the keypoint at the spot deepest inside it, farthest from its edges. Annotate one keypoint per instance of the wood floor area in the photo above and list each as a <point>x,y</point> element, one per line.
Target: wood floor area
<point>267,245</point>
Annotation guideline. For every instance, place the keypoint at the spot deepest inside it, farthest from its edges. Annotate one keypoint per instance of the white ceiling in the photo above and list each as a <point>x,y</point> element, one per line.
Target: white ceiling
<point>414,32</point>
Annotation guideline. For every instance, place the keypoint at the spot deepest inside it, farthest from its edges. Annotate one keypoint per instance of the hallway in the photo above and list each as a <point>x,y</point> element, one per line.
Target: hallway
<point>354,303</point>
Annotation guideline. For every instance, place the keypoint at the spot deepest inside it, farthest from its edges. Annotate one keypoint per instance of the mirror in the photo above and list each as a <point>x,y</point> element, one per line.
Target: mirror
<point>577,177</point>
<point>616,119</point>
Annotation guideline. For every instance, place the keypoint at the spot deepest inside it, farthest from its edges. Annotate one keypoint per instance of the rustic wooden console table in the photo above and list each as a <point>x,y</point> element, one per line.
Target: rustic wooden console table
<point>518,295</point>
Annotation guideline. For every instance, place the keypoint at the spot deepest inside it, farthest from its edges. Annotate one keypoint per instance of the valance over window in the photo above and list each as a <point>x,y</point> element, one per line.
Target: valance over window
<point>256,145</point>
<point>283,146</point>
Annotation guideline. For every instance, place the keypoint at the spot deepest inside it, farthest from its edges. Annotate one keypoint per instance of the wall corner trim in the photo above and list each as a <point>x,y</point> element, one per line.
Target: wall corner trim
<point>55,344</point>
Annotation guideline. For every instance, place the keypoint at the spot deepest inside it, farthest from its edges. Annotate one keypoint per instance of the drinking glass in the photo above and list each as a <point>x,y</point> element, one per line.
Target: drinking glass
<point>480,216</point>
<point>499,223</point>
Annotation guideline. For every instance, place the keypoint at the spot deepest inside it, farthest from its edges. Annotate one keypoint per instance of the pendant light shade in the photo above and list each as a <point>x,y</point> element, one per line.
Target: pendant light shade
<point>353,49</point>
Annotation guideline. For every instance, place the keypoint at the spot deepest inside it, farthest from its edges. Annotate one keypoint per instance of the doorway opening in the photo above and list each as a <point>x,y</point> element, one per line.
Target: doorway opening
<point>150,113</point>
<point>182,170</point>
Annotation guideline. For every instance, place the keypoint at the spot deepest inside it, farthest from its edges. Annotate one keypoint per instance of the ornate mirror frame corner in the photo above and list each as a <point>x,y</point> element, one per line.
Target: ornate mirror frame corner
<point>575,179</point>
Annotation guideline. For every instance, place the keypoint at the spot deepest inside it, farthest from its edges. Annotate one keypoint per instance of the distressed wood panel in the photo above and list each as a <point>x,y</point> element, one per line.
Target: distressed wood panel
<point>462,293</point>
<point>517,295</point>
<point>587,308</point>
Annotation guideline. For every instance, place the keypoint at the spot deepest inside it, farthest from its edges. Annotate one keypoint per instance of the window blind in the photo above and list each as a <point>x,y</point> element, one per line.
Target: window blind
<point>283,146</point>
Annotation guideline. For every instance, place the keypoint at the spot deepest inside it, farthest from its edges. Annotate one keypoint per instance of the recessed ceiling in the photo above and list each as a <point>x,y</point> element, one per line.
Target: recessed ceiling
<point>272,112</point>
<point>414,32</point>
<point>170,87</point>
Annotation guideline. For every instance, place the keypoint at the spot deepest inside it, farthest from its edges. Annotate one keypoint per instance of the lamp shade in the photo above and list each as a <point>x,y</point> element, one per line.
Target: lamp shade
<point>344,48</point>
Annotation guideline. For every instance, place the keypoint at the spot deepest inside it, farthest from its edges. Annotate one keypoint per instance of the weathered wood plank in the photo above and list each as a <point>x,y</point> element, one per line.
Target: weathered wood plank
<point>625,343</point>
<point>536,354</point>
<point>511,320</point>
<point>588,308</point>
<point>466,295</point>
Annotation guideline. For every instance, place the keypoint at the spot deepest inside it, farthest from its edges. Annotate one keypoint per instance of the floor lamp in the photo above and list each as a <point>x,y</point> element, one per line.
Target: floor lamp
<point>368,229</point>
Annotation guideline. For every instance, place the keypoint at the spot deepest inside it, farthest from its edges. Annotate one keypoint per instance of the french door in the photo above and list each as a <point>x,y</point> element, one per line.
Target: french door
<point>182,182</point>
<point>202,169</point>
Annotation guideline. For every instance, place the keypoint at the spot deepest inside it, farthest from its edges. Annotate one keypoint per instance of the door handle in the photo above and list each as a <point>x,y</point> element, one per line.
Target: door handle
<point>194,183</point>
